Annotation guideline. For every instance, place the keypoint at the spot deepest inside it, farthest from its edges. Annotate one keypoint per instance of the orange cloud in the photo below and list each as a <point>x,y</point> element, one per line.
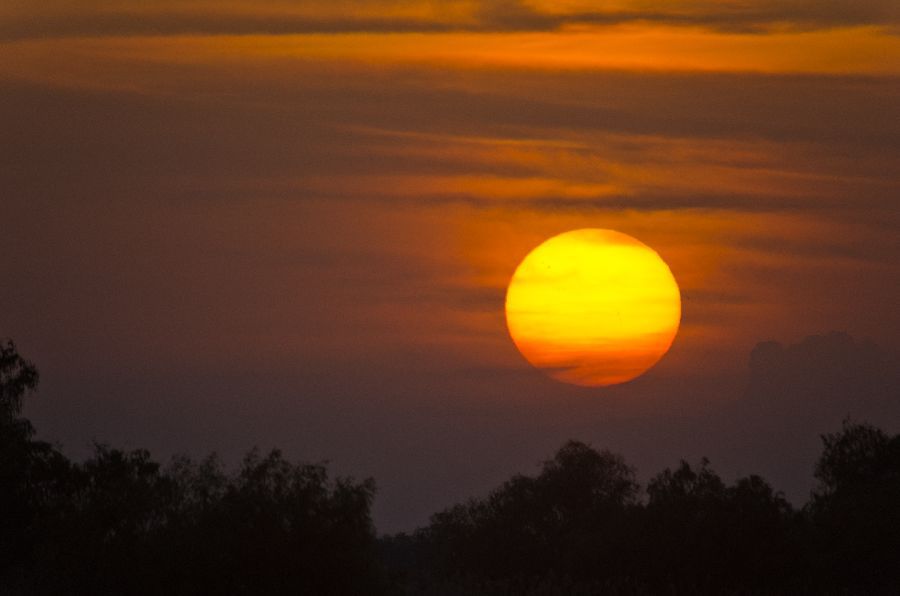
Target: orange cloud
<point>643,48</point>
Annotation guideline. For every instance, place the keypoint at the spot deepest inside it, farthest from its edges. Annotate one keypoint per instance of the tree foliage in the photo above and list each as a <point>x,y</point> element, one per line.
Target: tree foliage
<point>580,527</point>
<point>120,523</point>
<point>562,521</point>
<point>856,509</point>
<point>17,377</point>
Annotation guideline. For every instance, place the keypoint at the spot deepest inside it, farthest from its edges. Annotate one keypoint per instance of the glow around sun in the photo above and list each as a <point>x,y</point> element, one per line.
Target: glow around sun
<point>593,307</point>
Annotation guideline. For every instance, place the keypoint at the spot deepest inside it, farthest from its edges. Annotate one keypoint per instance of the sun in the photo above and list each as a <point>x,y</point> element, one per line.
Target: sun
<point>593,307</point>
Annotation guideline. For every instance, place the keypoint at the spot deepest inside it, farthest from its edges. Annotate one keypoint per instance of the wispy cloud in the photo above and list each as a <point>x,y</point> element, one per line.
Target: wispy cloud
<point>22,19</point>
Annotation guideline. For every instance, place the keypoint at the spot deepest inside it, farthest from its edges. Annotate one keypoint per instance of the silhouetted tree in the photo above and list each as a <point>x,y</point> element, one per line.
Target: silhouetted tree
<point>32,473</point>
<point>702,536</point>
<point>568,522</point>
<point>855,455</point>
<point>119,523</point>
<point>579,528</point>
<point>276,527</point>
<point>17,377</point>
<point>856,510</point>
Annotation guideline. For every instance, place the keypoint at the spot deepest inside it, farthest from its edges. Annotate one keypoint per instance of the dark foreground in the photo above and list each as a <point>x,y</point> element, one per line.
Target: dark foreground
<point>120,523</point>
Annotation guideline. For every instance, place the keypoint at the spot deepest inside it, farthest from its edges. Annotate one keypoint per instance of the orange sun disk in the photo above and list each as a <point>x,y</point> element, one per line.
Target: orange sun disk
<point>593,307</point>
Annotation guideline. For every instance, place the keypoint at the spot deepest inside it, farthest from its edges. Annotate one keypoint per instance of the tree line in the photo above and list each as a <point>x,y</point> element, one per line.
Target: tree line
<point>121,523</point>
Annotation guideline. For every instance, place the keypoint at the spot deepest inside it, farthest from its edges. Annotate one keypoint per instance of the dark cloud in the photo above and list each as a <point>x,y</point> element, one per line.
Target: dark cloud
<point>758,16</point>
<point>101,17</point>
<point>680,201</point>
<point>824,378</point>
<point>797,392</point>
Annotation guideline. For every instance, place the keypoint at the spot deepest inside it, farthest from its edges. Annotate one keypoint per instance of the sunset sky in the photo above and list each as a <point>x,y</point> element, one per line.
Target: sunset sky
<point>292,224</point>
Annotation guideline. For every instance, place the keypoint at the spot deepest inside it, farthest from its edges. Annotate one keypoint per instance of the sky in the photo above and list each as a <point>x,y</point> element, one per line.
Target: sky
<point>292,224</point>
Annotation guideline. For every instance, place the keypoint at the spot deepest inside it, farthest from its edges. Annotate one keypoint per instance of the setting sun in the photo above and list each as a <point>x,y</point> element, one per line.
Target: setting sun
<point>593,307</point>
